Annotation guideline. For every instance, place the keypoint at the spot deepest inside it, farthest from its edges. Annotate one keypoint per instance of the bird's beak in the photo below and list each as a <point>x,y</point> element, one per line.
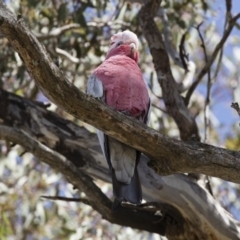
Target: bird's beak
<point>133,47</point>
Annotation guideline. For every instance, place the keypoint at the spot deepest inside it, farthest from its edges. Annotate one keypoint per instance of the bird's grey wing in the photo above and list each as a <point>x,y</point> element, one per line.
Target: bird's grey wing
<point>123,160</point>
<point>104,143</point>
<point>120,157</point>
<point>95,87</point>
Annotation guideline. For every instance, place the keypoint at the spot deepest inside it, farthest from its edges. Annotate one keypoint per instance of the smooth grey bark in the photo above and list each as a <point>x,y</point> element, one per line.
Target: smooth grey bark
<point>183,203</point>
<point>192,212</point>
<point>170,155</point>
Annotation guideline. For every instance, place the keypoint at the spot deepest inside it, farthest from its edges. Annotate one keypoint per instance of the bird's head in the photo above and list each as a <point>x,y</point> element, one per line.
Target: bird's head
<point>124,43</point>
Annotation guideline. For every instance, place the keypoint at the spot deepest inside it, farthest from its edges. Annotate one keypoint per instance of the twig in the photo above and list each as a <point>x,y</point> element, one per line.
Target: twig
<point>208,65</point>
<point>21,154</point>
<point>67,56</point>
<point>228,7</point>
<point>167,38</point>
<point>159,108</point>
<point>65,199</point>
<point>189,66</point>
<point>54,33</point>
<point>188,77</point>
<point>207,99</point>
<point>182,52</point>
<point>236,107</point>
<point>112,24</point>
<point>209,185</point>
<point>227,18</point>
<point>155,95</point>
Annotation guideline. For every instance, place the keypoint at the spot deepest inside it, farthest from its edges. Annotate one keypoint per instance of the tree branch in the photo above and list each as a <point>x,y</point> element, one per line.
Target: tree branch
<point>209,85</point>
<point>171,156</point>
<point>168,40</point>
<point>236,107</point>
<point>136,219</point>
<point>173,100</point>
<point>188,65</point>
<point>57,161</point>
<point>182,202</point>
<point>66,55</point>
<point>54,33</point>
<point>208,65</point>
<point>190,204</point>
<point>188,77</point>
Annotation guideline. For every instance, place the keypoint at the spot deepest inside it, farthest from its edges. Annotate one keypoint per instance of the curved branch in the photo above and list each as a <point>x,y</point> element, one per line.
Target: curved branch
<point>188,77</point>
<point>54,33</point>
<point>136,219</point>
<point>67,55</point>
<point>173,100</point>
<point>171,156</point>
<point>183,203</point>
<point>190,201</point>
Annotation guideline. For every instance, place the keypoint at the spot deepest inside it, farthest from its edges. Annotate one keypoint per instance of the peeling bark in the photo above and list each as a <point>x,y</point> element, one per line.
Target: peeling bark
<point>183,203</point>
<point>170,155</point>
<point>189,211</point>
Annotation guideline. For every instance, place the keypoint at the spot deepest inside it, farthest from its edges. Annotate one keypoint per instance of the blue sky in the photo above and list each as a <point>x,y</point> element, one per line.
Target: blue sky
<point>221,108</point>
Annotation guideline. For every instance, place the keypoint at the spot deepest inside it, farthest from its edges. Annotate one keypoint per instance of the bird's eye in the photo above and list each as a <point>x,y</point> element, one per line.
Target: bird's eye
<point>119,43</point>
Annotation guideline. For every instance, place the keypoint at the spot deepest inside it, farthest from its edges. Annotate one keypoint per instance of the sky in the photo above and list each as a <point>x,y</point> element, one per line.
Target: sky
<point>221,109</point>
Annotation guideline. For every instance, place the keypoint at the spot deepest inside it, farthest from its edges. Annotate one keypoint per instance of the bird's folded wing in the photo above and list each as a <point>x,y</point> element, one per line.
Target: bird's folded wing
<point>123,160</point>
<point>95,87</point>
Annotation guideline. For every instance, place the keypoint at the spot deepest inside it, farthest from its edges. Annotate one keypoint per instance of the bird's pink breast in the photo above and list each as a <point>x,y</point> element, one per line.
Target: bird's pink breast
<point>124,86</point>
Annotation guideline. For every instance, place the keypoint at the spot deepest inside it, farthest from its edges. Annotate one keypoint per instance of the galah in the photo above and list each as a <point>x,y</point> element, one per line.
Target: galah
<point>118,81</point>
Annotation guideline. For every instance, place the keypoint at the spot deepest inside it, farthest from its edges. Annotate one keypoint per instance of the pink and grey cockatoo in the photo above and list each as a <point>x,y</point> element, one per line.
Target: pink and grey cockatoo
<point>118,81</point>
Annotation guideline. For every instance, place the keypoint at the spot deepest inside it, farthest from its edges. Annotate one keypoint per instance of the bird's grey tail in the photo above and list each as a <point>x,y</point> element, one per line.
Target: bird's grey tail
<point>131,192</point>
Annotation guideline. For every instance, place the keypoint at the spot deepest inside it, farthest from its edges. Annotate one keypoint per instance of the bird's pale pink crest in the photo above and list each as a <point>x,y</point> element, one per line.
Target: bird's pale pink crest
<point>124,43</point>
